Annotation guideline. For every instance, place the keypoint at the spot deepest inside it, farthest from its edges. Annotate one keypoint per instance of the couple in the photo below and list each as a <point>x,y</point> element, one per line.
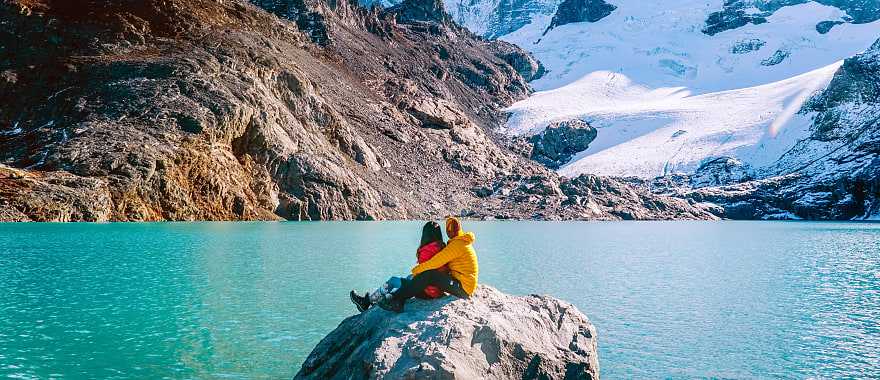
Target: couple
<point>443,268</point>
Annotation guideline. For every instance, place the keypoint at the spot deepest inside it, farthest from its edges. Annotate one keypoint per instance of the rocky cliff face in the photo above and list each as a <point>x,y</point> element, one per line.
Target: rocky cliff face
<point>253,122</point>
<point>721,171</point>
<point>55,196</point>
<point>506,16</point>
<point>197,109</point>
<point>490,336</point>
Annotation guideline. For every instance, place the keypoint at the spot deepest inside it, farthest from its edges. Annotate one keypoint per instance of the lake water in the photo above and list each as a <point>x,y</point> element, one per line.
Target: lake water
<point>250,300</point>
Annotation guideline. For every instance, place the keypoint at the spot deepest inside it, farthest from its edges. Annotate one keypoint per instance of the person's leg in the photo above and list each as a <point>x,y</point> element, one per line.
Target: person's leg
<point>381,294</point>
<point>417,285</point>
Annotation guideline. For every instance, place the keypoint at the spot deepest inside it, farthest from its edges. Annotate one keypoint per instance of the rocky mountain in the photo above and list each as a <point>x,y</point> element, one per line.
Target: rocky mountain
<point>490,336</point>
<point>716,100</point>
<point>218,110</point>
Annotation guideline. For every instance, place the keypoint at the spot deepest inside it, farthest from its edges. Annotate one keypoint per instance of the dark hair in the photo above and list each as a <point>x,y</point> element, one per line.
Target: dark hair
<point>431,232</point>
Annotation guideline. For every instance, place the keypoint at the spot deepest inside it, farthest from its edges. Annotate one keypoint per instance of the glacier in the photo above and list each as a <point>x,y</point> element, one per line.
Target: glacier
<point>653,132</point>
<point>666,97</point>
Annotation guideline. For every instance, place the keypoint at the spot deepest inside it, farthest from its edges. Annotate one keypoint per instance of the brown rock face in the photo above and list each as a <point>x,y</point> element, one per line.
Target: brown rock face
<point>52,197</point>
<point>209,110</point>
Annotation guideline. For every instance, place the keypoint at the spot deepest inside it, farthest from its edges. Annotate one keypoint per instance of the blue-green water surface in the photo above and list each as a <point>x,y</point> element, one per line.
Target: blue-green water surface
<point>250,300</point>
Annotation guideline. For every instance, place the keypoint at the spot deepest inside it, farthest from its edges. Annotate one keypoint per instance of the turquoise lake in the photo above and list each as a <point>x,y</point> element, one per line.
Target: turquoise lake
<point>250,300</point>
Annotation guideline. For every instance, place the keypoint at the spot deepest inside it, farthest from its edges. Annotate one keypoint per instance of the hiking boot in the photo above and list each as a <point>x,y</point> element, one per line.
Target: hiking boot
<point>361,302</point>
<point>392,304</point>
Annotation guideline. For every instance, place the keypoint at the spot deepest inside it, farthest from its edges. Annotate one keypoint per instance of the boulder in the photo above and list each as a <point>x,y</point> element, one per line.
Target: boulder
<point>492,335</point>
<point>523,62</point>
<point>722,171</point>
<point>437,113</point>
<point>556,144</point>
<point>571,11</point>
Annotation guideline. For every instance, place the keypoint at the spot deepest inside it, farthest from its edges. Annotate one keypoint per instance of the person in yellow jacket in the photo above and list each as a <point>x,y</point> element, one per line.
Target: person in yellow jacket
<point>461,259</point>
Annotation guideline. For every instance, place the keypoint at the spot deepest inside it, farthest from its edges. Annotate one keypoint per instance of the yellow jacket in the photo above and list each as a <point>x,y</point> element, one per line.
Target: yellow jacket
<point>461,258</point>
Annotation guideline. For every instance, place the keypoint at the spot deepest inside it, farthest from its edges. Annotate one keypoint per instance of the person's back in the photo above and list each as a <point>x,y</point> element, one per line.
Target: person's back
<point>464,266</point>
<point>427,251</point>
<point>432,243</point>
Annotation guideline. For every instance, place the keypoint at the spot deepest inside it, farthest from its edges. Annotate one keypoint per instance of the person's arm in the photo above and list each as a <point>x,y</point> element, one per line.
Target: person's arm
<point>440,259</point>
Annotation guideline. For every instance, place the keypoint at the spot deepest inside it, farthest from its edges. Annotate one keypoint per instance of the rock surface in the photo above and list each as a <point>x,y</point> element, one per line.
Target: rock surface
<point>561,140</point>
<point>721,171</point>
<point>260,121</point>
<point>52,197</point>
<point>490,336</point>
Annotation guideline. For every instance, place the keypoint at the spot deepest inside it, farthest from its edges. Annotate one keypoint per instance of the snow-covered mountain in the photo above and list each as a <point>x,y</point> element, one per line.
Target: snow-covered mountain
<point>663,44</point>
<point>832,173</point>
<point>671,85</point>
